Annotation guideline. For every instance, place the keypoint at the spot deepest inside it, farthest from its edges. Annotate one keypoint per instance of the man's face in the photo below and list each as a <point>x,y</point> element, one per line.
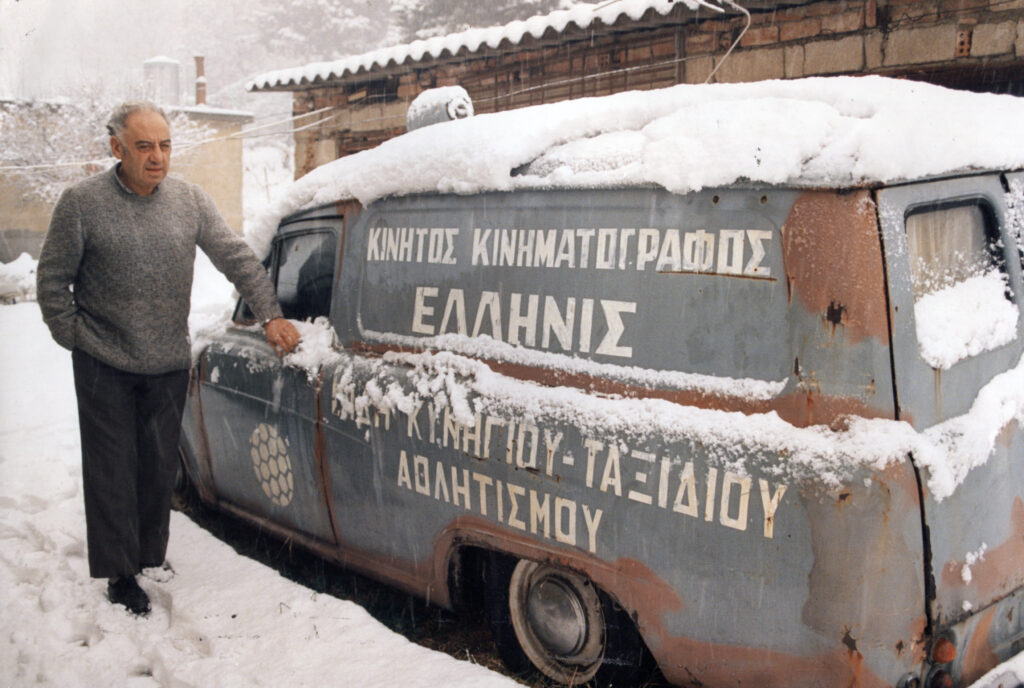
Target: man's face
<point>144,149</point>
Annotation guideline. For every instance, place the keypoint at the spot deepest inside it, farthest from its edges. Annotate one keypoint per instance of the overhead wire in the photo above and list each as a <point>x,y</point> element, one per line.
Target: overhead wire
<point>188,145</point>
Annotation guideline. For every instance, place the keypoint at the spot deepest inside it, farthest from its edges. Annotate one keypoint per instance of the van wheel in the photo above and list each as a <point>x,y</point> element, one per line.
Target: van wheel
<point>558,623</point>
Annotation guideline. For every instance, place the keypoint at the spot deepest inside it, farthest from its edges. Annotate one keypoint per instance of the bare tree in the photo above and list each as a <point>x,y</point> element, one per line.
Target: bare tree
<point>48,145</point>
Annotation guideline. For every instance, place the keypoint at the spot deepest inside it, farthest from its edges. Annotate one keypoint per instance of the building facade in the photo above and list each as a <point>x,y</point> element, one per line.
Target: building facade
<point>215,164</point>
<point>358,102</point>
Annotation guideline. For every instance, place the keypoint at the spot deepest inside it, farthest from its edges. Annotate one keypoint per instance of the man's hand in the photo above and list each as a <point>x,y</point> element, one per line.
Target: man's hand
<point>281,335</point>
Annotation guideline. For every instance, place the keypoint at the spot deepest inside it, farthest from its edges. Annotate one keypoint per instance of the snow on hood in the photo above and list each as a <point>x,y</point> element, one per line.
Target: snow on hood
<point>833,132</point>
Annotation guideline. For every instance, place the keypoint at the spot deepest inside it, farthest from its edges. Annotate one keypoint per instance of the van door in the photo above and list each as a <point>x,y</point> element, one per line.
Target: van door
<point>954,277</point>
<point>261,415</point>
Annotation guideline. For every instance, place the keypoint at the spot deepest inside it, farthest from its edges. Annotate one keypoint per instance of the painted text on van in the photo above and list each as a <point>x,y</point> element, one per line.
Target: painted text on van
<point>566,323</point>
<point>735,252</point>
<point>661,481</point>
<point>526,509</point>
<point>412,244</point>
<point>725,252</point>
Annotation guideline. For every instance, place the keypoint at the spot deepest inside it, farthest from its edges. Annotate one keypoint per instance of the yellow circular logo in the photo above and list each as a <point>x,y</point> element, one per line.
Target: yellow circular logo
<point>272,464</point>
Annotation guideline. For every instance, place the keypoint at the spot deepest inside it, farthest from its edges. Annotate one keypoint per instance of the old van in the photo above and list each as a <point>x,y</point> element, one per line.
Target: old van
<point>725,376</point>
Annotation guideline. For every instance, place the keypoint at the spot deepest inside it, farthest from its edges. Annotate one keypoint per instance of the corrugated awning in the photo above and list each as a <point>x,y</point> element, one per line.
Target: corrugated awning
<point>581,17</point>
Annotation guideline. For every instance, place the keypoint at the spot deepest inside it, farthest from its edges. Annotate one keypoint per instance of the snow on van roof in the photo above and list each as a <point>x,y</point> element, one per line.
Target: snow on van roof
<point>829,131</point>
<point>582,16</point>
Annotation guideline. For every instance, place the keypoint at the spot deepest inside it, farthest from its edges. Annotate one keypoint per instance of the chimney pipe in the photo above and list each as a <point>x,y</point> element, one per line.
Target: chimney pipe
<point>200,81</point>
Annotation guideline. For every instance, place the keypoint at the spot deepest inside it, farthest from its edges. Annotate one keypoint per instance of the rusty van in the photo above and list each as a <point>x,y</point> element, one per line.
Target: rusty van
<point>743,430</point>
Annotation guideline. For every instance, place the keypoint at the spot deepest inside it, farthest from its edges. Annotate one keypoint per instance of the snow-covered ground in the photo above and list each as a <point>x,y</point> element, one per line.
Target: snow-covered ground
<point>222,620</point>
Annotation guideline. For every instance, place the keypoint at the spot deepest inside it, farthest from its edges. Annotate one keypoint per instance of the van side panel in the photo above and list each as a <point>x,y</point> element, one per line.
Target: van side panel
<point>977,530</point>
<point>741,567</point>
<point>583,288</point>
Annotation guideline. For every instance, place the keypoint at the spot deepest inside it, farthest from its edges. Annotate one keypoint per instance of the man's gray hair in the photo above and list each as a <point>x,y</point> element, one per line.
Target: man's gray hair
<point>116,123</point>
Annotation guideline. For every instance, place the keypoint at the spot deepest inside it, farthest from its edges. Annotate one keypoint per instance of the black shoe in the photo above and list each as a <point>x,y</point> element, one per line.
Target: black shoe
<point>125,590</point>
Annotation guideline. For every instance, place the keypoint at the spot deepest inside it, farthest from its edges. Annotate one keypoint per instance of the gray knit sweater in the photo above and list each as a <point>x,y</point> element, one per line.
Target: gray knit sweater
<point>115,272</point>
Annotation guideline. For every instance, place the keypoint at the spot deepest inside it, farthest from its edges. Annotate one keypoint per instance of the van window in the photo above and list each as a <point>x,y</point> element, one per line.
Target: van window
<point>962,302</point>
<point>305,274</point>
<point>948,246</point>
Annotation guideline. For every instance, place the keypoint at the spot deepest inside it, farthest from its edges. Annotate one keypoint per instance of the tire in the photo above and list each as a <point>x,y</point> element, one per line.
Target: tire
<point>555,622</point>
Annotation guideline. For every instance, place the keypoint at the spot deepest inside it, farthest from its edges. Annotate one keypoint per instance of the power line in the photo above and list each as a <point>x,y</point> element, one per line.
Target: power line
<point>187,145</point>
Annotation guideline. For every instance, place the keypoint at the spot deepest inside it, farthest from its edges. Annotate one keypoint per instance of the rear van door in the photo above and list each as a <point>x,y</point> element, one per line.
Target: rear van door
<point>954,272</point>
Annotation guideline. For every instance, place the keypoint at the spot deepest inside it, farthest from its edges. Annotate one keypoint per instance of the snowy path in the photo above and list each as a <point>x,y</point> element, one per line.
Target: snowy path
<point>222,621</point>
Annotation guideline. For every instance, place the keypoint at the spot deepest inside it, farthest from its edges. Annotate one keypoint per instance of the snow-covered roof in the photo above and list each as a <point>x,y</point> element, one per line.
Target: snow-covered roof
<point>826,131</point>
<point>205,111</point>
<point>583,16</point>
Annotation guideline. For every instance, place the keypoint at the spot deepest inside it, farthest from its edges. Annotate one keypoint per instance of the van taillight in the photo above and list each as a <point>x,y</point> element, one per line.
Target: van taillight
<point>944,651</point>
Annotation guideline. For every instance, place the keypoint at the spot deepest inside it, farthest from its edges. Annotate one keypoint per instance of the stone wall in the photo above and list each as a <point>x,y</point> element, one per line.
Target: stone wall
<point>973,44</point>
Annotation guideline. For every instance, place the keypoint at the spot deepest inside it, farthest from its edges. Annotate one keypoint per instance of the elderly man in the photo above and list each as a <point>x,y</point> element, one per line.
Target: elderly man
<point>114,282</point>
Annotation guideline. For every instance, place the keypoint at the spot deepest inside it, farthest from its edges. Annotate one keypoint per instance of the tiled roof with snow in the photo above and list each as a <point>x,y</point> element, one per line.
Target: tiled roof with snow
<point>582,16</point>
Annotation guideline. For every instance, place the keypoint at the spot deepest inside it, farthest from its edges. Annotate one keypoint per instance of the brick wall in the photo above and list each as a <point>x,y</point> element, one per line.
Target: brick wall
<point>974,44</point>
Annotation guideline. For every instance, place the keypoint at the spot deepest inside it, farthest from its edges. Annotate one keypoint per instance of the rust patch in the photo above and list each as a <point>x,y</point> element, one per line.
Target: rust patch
<point>802,407</point>
<point>833,259</point>
<point>1001,568</point>
<point>1006,435</point>
<point>978,656</point>
<point>205,486</point>
<point>918,649</point>
<point>647,594</point>
<point>691,662</point>
<point>320,455</point>
<point>866,584</point>
<point>648,598</point>
<point>644,594</point>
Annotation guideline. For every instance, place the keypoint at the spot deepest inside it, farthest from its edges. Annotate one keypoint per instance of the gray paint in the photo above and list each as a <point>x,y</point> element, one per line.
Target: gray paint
<point>832,588</point>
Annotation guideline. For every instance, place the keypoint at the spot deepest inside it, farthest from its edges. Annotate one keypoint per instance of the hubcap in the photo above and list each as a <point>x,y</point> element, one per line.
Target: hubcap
<point>557,617</point>
<point>558,621</point>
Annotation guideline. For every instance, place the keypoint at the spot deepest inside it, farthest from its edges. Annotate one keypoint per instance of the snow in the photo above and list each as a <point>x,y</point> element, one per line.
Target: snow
<point>221,620</point>
<point>581,15</point>
<point>832,132</point>
<point>457,376</point>
<point>486,348</point>
<point>949,450</point>
<point>437,105</point>
<point>972,558</point>
<point>965,319</point>
<point>18,279</point>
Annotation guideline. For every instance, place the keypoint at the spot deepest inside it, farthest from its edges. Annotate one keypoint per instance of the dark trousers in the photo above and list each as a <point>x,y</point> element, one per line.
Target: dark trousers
<point>129,426</point>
